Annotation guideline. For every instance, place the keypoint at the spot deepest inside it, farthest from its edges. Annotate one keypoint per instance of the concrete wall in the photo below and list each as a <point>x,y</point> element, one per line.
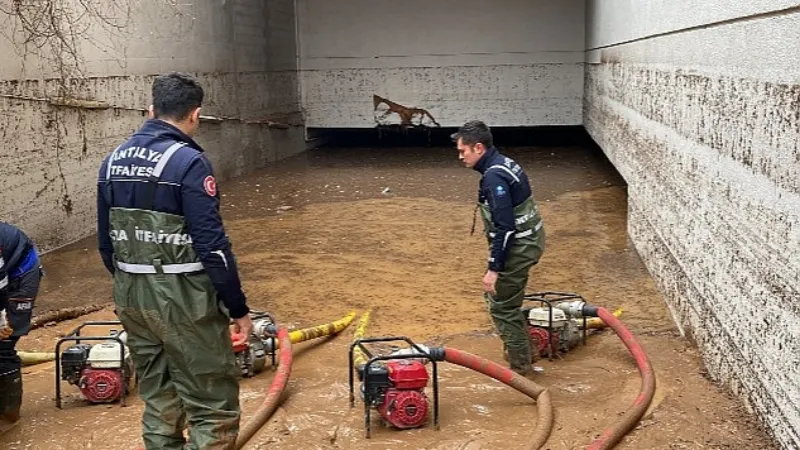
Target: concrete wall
<point>516,65</point>
<point>698,105</point>
<point>244,53</point>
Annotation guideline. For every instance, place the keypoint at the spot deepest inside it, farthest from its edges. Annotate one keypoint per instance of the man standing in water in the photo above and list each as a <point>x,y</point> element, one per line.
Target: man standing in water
<point>515,234</point>
<point>161,236</point>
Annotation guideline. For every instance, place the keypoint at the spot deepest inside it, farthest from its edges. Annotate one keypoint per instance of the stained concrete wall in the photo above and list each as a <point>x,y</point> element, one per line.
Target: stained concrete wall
<point>516,65</point>
<point>243,52</point>
<point>698,105</point>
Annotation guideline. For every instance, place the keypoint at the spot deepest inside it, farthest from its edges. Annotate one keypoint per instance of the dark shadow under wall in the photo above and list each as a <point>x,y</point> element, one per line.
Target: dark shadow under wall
<point>544,136</point>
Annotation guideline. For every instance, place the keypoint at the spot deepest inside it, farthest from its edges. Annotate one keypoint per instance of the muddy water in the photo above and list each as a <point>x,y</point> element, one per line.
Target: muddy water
<point>336,175</point>
<point>406,253</point>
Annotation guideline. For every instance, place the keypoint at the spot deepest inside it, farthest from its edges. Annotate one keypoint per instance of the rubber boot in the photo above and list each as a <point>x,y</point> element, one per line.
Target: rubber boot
<point>10,399</point>
<point>519,362</point>
<point>534,356</point>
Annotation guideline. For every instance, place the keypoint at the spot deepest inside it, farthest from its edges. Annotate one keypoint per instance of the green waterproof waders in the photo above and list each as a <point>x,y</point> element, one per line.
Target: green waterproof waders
<point>524,251</point>
<point>178,333</point>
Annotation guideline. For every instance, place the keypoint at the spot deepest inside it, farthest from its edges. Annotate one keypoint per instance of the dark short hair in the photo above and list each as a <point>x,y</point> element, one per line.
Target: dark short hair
<point>175,95</point>
<point>474,132</point>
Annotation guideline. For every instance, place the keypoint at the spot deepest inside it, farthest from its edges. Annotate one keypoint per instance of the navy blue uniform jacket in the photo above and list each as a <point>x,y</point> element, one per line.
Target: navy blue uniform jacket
<point>184,189</point>
<point>503,193</point>
<point>14,249</point>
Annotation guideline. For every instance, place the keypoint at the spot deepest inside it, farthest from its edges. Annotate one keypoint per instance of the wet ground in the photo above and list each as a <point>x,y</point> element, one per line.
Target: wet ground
<point>389,229</point>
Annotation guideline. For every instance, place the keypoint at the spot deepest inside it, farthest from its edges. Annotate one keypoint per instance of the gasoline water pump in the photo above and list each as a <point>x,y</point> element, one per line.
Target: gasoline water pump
<point>251,355</point>
<point>394,384</point>
<point>102,371</point>
<point>551,329</point>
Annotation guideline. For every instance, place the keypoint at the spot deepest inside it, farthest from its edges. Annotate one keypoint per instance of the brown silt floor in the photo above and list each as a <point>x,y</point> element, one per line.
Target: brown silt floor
<point>349,243</point>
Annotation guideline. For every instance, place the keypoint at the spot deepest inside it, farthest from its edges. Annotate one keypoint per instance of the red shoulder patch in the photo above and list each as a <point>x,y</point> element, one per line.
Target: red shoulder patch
<point>210,185</point>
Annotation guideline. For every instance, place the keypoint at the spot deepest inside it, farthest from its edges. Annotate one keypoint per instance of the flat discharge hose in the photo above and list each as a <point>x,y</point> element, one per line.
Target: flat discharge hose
<point>276,390</point>
<point>359,358</point>
<point>612,435</point>
<point>33,358</point>
<point>327,329</point>
<point>538,393</point>
<point>595,323</point>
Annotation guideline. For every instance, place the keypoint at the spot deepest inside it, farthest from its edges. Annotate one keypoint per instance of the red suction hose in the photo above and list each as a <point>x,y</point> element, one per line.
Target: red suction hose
<point>612,435</point>
<point>538,393</point>
<point>276,390</point>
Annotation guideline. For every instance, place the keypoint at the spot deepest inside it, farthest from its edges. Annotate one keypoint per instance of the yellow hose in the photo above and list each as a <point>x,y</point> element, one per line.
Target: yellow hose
<point>596,322</point>
<point>328,329</point>
<point>33,358</point>
<point>359,358</point>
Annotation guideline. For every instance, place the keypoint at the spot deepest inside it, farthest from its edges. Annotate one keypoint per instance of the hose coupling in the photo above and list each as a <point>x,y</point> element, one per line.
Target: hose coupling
<point>264,328</point>
<point>436,353</point>
<point>578,309</point>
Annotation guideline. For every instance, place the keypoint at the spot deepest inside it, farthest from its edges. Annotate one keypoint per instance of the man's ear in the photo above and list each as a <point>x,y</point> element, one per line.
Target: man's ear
<point>195,116</point>
<point>480,148</point>
<point>151,113</point>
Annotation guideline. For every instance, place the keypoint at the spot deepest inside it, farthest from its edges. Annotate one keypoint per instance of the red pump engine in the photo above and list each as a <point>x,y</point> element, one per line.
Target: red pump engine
<point>394,384</point>
<point>405,404</point>
<point>101,371</point>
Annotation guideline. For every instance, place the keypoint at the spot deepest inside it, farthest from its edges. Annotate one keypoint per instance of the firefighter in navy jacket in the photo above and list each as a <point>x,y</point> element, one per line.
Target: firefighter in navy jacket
<point>514,231</point>
<point>162,237</point>
<point>20,275</point>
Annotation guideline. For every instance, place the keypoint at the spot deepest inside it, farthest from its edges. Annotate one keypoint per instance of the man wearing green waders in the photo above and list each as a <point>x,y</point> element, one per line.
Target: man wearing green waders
<point>514,232</point>
<point>175,277</point>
